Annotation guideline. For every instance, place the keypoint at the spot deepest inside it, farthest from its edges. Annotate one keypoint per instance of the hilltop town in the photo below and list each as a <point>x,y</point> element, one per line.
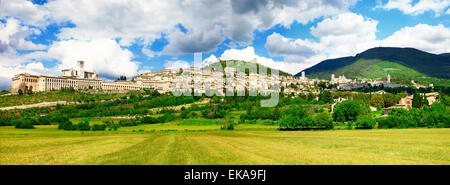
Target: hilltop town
<point>164,81</point>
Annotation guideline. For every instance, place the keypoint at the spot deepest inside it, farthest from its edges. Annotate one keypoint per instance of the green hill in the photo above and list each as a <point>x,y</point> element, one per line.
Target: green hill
<point>403,64</point>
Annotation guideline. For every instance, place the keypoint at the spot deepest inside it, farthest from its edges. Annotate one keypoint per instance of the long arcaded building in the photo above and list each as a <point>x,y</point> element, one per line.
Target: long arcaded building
<point>75,78</point>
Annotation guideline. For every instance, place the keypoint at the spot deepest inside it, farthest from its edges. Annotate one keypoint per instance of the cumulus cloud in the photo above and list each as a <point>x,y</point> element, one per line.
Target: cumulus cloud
<point>105,56</point>
<point>248,54</point>
<point>434,39</point>
<point>192,41</point>
<point>177,64</point>
<point>419,7</point>
<point>211,59</point>
<point>12,37</point>
<point>98,24</point>
<point>148,52</point>
<point>278,45</point>
<point>29,13</point>
<point>146,20</point>
<point>345,24</point>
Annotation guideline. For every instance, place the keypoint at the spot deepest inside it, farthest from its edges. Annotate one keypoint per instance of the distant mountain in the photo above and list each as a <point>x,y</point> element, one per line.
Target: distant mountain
<point>236,64</point>
<point>400,63</point>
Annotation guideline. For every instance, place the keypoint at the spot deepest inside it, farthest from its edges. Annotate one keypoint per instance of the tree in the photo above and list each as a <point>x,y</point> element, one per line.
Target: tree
<point>349,110</point>
<point>365,122</point>
<point>323,120</point>
<point>291,118</point>
<point>425,100</point>
<point>83,126</point>
<point>389,99</point>
<point>20,92</point>
<point>376,101</point>
<point>417,101</point>
<point>311,96</point>
<point>122,78</point>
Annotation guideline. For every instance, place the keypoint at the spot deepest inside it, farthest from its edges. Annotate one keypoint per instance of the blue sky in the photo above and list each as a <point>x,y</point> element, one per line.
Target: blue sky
<point>127,38</point>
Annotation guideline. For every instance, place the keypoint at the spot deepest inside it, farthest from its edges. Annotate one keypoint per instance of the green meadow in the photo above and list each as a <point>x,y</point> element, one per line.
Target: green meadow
<point>197,142</point>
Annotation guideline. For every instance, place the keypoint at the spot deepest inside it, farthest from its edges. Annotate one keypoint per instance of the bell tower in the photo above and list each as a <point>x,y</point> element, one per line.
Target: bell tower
<point>80,69</point>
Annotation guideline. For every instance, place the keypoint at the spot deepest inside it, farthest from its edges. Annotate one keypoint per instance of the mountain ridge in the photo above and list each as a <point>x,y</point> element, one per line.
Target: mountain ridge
<point>428,64</point>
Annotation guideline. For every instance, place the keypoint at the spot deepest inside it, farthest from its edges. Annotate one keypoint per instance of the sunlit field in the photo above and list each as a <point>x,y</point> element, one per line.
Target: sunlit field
<point>202,142</point>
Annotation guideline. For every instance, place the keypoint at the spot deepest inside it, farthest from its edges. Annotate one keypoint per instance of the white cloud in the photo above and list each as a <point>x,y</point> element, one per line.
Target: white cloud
<point>434,39</point>
<point>148,52</point>
<point>407,6</point>
<point>305,11</point>
<point>176,64</point>
<point>104,56</point>
<point>145,20</point>
<point>192,41</point>
<point>211,59</point>
<point>341,35</point>
<point>248,54</point>
<point>24,10</point>
<point>278,45</point>
<point>97,24</point>
<point>345,24</point>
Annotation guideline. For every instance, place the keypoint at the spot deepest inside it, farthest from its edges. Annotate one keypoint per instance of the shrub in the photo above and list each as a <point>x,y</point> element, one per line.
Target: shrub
<point>184,114</point>
<point>127,122</point>
<point>114,127</point>
<point>44,120</point>
<point>25,123</point>
<point>398,112</point>
<point>396,122</point>
<point>83,126</point>
<point>288,122</point>
<point>365,122</point>
<point>148,120</point>
<point>323,120</point>
<point>306,123</point>
<point>96,127</point>
<point>291,118</point>
<point>349,110</point>
<point>166,118</point>
<point>228,125</point>
<point>66,125</point>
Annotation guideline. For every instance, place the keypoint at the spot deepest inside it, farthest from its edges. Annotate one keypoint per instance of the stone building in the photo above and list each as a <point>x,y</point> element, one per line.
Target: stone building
<point>77,79</point>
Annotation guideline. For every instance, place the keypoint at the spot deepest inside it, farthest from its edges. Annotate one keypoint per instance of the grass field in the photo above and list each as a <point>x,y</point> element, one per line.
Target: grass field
<point>191,142</point>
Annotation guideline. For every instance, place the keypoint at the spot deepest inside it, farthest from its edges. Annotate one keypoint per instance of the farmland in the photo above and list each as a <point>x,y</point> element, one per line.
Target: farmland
<point>185,142</point>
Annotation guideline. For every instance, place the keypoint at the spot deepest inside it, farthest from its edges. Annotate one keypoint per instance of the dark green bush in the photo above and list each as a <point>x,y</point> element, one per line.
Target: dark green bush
<point>25,123</point>
<point>83,126</point>
<point>148,120</point>
<point>96,127</point>
<point>365,122</point>
<point>66,125</point>
<point>127,122</point>
<point>322,120</point>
